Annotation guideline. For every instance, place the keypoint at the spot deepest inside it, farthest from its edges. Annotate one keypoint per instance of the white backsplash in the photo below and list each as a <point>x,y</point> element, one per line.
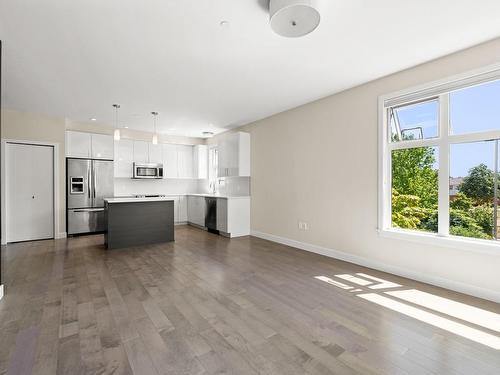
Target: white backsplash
<point>128,186</point>
<point>232,186</point>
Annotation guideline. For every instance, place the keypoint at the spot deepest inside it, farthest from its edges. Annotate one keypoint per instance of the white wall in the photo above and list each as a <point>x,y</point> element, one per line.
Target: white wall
<point>318,163</point>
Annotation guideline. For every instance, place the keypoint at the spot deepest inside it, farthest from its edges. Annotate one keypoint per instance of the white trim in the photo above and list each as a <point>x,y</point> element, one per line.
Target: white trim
<point>480,246</point>
<point>1,292</point>
<point>437,87</point>
<point>489,294</point>
<point>3,213</point>
<point>61,235</point>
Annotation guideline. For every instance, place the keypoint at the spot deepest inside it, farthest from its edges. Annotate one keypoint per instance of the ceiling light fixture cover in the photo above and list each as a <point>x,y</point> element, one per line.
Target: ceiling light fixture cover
<point>208,134</point>
<point>293,18</point>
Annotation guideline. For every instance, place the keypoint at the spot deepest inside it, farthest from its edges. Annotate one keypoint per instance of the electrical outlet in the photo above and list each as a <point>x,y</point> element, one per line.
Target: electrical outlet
<point>303,225</point>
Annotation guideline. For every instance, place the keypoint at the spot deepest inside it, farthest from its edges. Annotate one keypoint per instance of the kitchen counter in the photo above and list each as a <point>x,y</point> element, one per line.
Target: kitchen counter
<point>138,221</point>
<point>220,196</point>
<point>136,200</point>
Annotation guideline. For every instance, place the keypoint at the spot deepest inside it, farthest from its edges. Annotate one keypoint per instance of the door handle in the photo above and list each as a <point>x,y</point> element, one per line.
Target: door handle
<point>33,197</point>
<point>89,210</point>
<point>94,179</point>
<point>88,183</point>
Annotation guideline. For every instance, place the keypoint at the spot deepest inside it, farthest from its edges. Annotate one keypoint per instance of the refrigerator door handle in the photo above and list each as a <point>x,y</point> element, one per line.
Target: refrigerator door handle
<point>88,182</point>
<point>94,179</point>
<point>88,210</point>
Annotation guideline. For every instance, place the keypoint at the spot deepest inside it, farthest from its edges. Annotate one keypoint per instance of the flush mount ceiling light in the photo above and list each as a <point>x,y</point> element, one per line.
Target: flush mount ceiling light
<point>293,18</point>
<point>116,134</point>
<point>155,135</point>
<point>208,134</point>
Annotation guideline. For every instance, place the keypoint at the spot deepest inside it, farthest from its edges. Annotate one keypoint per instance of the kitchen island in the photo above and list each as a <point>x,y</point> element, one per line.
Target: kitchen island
<point>138,221</point>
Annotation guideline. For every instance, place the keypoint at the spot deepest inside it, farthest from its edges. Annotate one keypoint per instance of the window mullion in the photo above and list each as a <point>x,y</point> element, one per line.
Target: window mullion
<point>444,167</point>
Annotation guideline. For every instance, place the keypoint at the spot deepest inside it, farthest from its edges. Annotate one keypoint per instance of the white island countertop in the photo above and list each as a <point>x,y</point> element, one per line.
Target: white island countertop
<point>137,200</point>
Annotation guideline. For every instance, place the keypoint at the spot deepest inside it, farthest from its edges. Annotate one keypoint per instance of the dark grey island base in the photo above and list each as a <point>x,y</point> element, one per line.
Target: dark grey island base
<point>133,222</point>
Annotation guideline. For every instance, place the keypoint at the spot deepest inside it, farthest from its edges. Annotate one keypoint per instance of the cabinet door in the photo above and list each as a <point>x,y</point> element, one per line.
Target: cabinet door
<point>155,153</point>
<point>176,209</point>
<point>222,151</point>
<point>102,146</point>
<point>78,144</point>
<point>124,156</point>
<point>196,210</point>
<point>182,209</point>
<point>185,161</point>
<point>200,161</point>
<point>141,152</point>
<point>232,154</point>
<point>170,169</point>
<point>222,215</point>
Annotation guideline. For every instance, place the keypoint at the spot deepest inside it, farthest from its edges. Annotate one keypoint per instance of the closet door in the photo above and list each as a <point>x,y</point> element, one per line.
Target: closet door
<point>30,192</point>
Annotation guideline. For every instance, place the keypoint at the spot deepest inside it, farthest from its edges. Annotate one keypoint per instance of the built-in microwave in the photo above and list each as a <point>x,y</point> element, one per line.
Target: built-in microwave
<point>148,170</point>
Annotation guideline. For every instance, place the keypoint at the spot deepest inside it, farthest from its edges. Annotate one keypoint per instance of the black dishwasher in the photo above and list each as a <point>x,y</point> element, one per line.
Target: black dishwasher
<point>211,215</point>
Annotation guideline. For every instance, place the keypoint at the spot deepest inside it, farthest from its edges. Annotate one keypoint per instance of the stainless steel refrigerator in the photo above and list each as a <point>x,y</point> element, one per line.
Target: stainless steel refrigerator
<point>88,183</point>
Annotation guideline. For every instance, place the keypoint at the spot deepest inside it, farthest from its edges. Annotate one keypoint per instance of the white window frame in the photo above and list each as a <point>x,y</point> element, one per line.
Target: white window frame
<point>424,92</point>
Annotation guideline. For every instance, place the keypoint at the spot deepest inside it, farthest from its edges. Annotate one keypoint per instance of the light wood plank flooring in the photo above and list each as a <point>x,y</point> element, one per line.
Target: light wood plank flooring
<point>209,305</point>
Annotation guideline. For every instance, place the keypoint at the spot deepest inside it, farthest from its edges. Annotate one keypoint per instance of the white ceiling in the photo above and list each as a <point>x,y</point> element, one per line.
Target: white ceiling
<point>76,58</point>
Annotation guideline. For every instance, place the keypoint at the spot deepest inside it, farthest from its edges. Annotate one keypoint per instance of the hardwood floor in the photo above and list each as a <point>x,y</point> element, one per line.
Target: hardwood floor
<point>209,305</point>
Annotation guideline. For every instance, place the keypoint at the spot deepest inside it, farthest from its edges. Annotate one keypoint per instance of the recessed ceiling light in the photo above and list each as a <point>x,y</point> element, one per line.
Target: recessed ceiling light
<point>208,134</point>
<point>93,119</point>
<point>224,24</point>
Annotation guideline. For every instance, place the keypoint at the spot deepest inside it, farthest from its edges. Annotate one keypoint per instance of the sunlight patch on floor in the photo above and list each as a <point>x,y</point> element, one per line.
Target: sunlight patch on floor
<point>471,314</point>
<point>354,279</point>
<point>333,282</point>
<point>363,287</point>
<point>384,284</point>
<point>435,320</point>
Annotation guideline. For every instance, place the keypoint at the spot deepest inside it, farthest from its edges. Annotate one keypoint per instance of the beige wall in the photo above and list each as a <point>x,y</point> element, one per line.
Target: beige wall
<point>318,163</point>
<point>42,128</point>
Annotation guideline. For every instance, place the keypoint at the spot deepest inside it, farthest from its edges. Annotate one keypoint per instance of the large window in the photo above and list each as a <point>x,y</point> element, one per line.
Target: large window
<point>440,159</point>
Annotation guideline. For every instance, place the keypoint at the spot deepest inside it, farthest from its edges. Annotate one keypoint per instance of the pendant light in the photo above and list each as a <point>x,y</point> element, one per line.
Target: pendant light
<point>155,135</point>
<point>116,134</point>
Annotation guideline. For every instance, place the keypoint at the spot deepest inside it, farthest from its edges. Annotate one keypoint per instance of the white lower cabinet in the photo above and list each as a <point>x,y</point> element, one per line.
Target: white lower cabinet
<point>233,214</point>
<point>183,214</point>
<point>196,210</point>
<point>222,215</point>
<point>176,209</point>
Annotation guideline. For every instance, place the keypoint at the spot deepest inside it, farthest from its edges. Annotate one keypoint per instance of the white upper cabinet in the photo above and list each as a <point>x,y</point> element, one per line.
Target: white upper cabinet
<point>170,161</point>
<point>234,155</point>
<point>102,146</point>
<point>78,144</point>
<point>141,152</point>
<point>185,161</point>
<point>155,153</point>
<point>87,145</point>
<point>124,158</point>
<point>200,161</point>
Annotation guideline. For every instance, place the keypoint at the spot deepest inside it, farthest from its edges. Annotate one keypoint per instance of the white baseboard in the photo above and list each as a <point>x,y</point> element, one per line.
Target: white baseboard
<point>457,286</point>
<point>61,235</point>
<point>1,291</point>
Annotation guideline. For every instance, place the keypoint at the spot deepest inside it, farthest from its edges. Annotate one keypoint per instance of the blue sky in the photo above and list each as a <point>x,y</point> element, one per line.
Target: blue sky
<point>471,110</point>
